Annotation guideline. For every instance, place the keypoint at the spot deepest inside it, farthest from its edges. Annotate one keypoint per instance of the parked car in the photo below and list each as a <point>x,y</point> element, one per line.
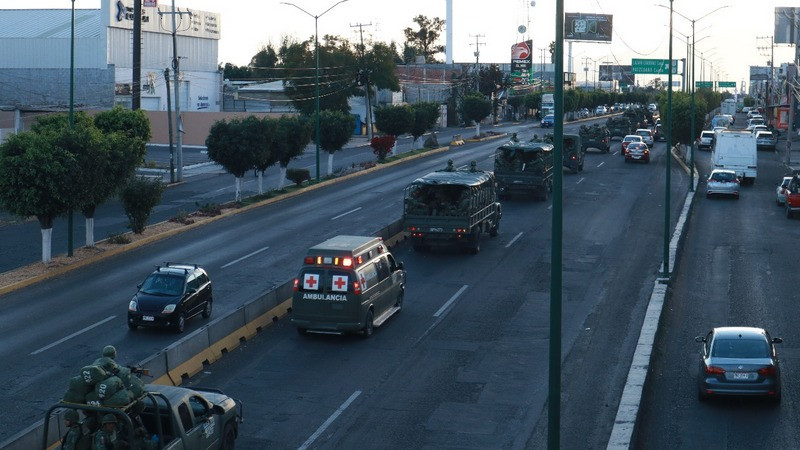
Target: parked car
<point>548,120</point>
<point>723,182</point>
<point>637,151</point>
<point>627,140</point>
<point>781,190</point>
<point>646,134</point>
<point>792,194</point>
<point>706,140</point>
<point>765,140</point>
<point>600,110</point>
<point>584,113</point>
<point>739,361</point>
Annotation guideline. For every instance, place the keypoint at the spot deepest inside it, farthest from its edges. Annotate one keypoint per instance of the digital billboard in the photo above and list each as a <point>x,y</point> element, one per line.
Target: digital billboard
<point>623,74</point>
<point>587,27</point>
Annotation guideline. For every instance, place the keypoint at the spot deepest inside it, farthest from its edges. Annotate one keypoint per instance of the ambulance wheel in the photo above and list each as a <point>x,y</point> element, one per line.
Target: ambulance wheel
<point>369,327</point>
<point>229,437</point>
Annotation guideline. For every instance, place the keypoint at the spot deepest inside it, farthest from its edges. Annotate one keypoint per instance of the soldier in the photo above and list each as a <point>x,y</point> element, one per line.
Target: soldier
<point>450,167</point>
<point>473,166</point>
<point>74,431</point>
<point>106,436</point>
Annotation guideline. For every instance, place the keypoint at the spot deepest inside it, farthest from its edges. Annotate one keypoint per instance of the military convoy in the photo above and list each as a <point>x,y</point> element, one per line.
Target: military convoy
<point>619,126</point>
<point>524,168</point>
<point>595,136</point>
<point>451,207</point>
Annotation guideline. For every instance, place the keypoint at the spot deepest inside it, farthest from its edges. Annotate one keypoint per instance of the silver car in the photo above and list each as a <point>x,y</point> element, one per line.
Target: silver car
<point>724,182</point>
<point>765,140</point>
<point>739,361</point>
<point>780,191</point>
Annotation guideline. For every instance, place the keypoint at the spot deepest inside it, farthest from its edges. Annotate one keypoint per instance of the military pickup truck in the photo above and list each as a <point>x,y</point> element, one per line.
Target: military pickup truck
<point>619,126</point>
<point>451,207</point>
<point>524,168</point>
<point>145,416</point>
<point>573,152</point>
<point>595,136</point>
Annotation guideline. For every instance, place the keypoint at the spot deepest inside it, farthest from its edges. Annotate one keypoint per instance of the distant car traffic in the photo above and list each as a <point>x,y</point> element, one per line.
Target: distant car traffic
<point>739,361</point>
<point>548,121</point>
<point>723,182</point>
<point>765,140</point>
<point>600,110</point>
<point>658,133</point>
<point>757,128</point>
<point>706,140</point>
<point>170,296</point>
<point>627,140</point>
<point>646,134</point>
<point>781,190</point>
<point>637,151</point>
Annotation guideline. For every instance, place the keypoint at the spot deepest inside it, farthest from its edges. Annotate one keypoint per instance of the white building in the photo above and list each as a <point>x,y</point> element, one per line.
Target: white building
<point>35,58</point>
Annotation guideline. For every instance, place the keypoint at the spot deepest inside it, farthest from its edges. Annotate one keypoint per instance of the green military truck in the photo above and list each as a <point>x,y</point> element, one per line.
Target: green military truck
<point>619,126</point>
<point>572,153</point>
<point>451,208</point>
<point>524,168</point>
<point>595,136</point>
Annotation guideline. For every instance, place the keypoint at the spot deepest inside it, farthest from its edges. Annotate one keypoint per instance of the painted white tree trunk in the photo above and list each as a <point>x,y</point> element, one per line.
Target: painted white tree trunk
<point>90,232</point>
<point>393,150</point>
<point>238,185</point>
<point>413,143</point>
<point>477,129</point>
<point>330,164</point>
<point>47,235</point>
<point>281,178</point>
<point>260,182</point>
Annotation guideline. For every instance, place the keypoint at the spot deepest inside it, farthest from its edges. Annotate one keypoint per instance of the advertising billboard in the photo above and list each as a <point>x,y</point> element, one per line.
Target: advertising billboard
<point>587,27</point>
<point>758,73</point>
<point>784,31</point>
<point>615,72</point>
<point>521,56</point>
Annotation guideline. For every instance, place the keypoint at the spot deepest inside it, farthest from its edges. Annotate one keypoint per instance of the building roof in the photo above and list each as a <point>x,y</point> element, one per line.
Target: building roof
<point>49,23</point>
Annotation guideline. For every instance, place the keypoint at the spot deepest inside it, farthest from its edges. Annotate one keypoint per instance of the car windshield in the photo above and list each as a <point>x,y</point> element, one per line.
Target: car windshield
<point>723,176</point>
<point>162,284</point>
<point>740,348</point>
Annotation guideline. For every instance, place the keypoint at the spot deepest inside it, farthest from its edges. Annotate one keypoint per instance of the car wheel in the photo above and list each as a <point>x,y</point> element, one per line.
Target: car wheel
<point>132,326</point>
<point>788,213</point>
<point>180,325</point>
<point>207,309</point>
<point>493,230</point>
<point>229,438</point>
<point>475,241</point>
<point>369,327</point>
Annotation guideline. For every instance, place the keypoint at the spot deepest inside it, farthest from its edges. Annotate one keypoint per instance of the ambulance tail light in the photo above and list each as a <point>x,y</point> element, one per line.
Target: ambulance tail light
<point>356,287</point>
<point>296,285</point>
<point>347,262</point>
<point>308,260</point>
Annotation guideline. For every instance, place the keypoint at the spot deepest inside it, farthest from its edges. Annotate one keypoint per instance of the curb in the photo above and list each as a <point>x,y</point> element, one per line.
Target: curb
<point>149,240</point>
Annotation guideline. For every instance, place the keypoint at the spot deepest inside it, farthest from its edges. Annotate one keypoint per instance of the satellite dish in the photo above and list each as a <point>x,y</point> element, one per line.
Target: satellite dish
<point>521,28</point>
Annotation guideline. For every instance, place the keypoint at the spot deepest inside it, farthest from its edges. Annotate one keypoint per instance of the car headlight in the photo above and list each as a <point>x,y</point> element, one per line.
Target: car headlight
<point>133,305</point>
<point>168,309</point>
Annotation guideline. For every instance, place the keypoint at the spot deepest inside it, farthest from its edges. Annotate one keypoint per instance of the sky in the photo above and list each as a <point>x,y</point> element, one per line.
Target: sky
<point>730,39</point>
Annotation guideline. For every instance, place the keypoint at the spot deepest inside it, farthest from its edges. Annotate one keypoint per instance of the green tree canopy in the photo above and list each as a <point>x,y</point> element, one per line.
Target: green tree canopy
<point>475,108</point>
<point>394,120</point>
<point>425,116</point>
<point>335,129</point>
<point>423,40</point>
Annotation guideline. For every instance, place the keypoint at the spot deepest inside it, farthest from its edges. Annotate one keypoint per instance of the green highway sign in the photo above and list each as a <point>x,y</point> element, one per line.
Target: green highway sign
<point>704,84</point>
<point>726,84</point>
<point>653,66</point>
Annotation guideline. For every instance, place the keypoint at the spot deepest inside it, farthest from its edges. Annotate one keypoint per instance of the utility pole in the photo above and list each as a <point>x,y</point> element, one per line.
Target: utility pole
<point>477,45</point>
<point>791,83</point>
<point>366,77</point>
<point>136,84</point>
<point>176,68</point>
<point>767,51</point>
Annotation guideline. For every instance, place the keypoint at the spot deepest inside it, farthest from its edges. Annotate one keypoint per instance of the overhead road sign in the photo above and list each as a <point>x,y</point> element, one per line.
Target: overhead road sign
<point>726,84</point>
<point>704,84</point>
<point>653,66</point>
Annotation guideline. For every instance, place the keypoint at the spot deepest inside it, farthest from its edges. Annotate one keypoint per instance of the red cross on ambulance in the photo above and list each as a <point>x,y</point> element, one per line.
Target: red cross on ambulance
<point>311,282</point>
<point>339,283</point>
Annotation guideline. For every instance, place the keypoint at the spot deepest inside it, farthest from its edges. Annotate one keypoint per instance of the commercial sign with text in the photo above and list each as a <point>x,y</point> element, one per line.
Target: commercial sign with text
<point>158,19</point>
<point>614,72</point>
<point>521,56</point>
<point>587,27</point>
<point>653,66</point>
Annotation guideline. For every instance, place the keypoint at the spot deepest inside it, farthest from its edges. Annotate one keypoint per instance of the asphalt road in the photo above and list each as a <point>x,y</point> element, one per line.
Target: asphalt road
<point>739,267</point>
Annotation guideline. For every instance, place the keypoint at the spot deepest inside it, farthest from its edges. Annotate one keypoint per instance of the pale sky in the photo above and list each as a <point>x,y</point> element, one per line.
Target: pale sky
<point>728,38</point>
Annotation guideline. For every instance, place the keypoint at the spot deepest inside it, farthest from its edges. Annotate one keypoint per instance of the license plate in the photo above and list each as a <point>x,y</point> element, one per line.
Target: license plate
<point>637,156</point>
<point>437,230</point>
<point>741,376</point>
<point>148,318</point>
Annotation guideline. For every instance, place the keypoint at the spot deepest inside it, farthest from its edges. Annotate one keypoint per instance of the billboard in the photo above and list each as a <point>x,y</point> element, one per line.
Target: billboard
<point>587,27</point>
<point>615,72</point>
<point>784,31</point>
<point>521,56</point>
<point>758,73</point>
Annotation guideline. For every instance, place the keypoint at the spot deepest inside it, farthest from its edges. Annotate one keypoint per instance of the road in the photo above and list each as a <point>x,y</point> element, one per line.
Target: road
<point>739,267</point>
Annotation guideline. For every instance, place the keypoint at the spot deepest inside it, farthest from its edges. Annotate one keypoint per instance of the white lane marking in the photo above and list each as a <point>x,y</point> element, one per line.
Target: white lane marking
<point>330,420</point>
<point>550,206</point>
<point>346,213</point>
<point>579,181</point>
<point>73,335</point>
<point>601,164</point>
<point>449,302</point>
<point>244,257</point>
<point>511,242</point>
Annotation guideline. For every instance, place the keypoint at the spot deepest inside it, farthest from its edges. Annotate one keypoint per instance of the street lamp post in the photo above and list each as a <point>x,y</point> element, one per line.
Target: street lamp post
<point>669,150</point>
<point>70,222</point>
<point>316,68</point>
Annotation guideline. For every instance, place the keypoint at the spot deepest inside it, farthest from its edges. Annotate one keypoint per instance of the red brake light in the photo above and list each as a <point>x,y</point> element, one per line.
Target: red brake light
<point>296,285</point>
<point>714,370</point>
<point>767,371</point>
<point>309,260</point>
<point>356,287</point>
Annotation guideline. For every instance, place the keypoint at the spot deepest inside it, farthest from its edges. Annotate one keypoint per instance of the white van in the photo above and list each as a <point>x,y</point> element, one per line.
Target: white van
<point>737,151</point>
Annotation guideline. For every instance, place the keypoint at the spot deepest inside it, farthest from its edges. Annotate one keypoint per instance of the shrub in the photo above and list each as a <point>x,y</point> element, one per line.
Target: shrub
<point>297,176</point>
<point>139,196</point>
<point>209,209</point>
<point>116,238</point>
<point>382,145</point>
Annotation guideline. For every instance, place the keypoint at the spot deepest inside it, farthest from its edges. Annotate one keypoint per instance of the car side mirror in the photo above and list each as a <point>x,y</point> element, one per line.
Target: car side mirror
<point>777,340</point>
<point>139,286</point>
<point>700,339</point>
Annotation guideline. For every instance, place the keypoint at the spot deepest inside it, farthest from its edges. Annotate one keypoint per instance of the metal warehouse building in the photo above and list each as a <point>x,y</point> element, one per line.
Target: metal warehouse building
<point>35,58</point>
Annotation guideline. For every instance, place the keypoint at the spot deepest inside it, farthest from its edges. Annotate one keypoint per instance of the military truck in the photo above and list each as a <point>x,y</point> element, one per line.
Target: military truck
<point>572,153</point>
<point>619,126</point>
<point>451,207</point>
<point>524,168</point>
<point>148,416</point>
<point>595,136</point>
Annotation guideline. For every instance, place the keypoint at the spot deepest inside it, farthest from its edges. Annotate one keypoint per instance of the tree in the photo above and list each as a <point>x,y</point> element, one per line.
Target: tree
<point>533,101</point>
<point>34,177</point>
<point>394,119</point>
<point>681,116</point>
<point>425,116</point>
<point>335,129</point>
<point>139,196</point>
<point>515,101</point>
<point>234,147</point>
<point>492,81</point>
<point>261,133</point>
<point>292,135</point>
<point>423,40</point>
<point>475,108</point>
<point>571,101</point>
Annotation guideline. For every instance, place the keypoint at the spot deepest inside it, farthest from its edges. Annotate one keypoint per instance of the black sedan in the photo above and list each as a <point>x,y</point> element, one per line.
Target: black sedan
<point>739,361</point>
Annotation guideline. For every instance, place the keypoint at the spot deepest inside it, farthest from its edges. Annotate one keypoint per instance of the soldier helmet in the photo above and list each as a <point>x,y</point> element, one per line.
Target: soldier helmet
<point>72,416</point>
<point>109,418</point>
<point>109,351</point>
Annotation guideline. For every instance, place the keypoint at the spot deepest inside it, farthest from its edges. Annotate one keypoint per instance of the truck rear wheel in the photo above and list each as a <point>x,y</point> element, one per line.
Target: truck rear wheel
<point>475,240</point>
<point>229,438</point>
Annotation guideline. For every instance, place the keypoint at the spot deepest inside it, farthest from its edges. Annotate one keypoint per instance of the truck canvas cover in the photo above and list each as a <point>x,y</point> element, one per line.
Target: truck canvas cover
<point>462,178</point>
